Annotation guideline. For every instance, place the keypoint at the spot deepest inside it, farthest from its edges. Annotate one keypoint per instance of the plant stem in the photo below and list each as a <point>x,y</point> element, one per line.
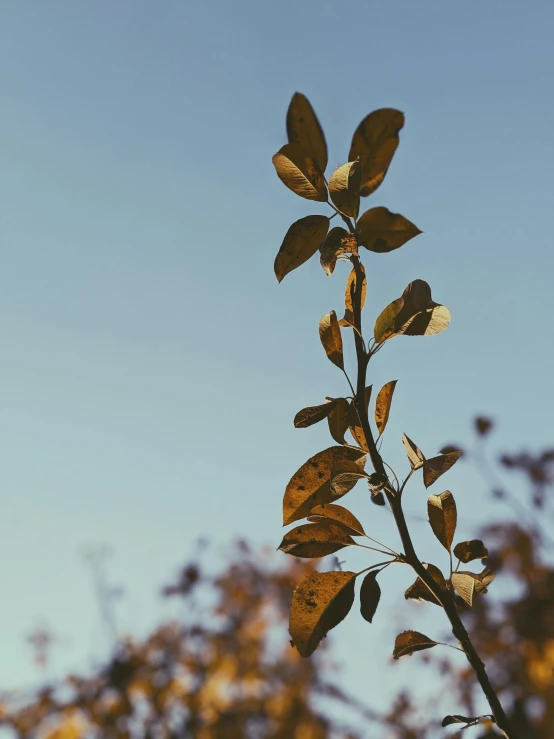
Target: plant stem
<point>444,597</point>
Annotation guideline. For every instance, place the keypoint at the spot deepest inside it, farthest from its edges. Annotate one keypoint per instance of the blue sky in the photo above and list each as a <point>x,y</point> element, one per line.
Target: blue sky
<point>151,363</point>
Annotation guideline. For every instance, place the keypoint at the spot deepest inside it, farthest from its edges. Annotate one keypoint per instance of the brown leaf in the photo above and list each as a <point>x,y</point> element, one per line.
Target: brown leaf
<point>315,413</point>
<point>370,595</point>
<point>338,420</point>
<point>304,128</point>
<point>298,171</point>
<point>338,242</point>
<point>467,551</point>
<point>483,425</point>
<point>313,540</point>
<point>436,466</point>
<point>320,602</point>
<point>457,719</point>
<point>413,314</point>
<point>349,294</point>
<point>310,485</point>
<point>355,427</point>
<point>345,481</point>
<point>469,583</point>
<point>411,641</point>
<point>381,231</point>
<point>344,188</point>
<point>383,404</point>
<point>374,143</point>
<point>301,242</point>
<point>329,333</point>
<point>442,517</point>
<point>415,455</point>
<point>338,514</point>
<point>420,591</point>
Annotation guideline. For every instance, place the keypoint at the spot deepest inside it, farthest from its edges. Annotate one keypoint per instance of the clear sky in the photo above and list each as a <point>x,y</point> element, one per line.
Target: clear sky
<point>151,363</point>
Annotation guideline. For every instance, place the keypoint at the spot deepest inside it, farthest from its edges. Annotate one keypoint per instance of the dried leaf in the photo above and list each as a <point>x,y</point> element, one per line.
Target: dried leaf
<point>339,241</point>
<point>344,188</point>
<point>420,591</point>
<point>411,641</point>
<point>320,602</point>
<point>381,231</point>
<point>329,333</point>
<point>315,413</point>
<point>349,294</point>
<point>338,514</point>
<point>299,172</point>
<point>442,517</point>
<point>310,485</point>
<point>301,242</point>
<point>457,719</point>
<point>313,540</point>
<point>413,314</point>
<point>338,420</point>
<point>469,583</point>
<point>436,466</point>
<point>304,128</point>
<point>355,427</point>
<point>370,595</point>
<point>345,481</point>
<point>467,551</point>
<point>383,404</point>
<point>415,455</point>
<point>374,143</point>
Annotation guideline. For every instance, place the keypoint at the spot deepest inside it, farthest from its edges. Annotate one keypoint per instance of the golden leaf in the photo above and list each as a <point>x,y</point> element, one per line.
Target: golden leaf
<point>344,188</point>
<point>374,143</point>
<point>349,294</point>
<point>381,231</point>
<point>420,591</point>
<point>315,413</point>
<point>312,540</point>
<point>310,485</point>
<point>338,242</point>
<point>329,333</point>
<point>469,583</point>
<point>413,314</point>
<point>415,455</point>
<point>442,517</point>
<point>411,641</point>
<point>345,481</point>
<point>467,551</point>
<point>370,595</point>
<point>301,242</point>
<point>298,171</point>
<point>338,420</point>
<point>304,128</point>
<point>320,602</point>
<point>383,404</point>
<point>355,427</point>
<point>437,466</point>
<point>338,514</point>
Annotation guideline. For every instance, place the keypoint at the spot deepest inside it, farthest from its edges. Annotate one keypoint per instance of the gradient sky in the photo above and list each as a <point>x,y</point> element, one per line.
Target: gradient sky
<point>151,363</point>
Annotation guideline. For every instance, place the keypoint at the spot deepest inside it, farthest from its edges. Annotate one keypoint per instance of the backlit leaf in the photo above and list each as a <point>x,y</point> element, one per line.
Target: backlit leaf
<point>411,641</point>
<point>457,719</point>
<point>298,171</point>
<point>320,602</point>
<point>436,466</point>
<point>339,241</point>
<point>339,514</point>
<point>469,583</point>
<point>345,481</point>
<point>381,231</point>
<point>442,517</point>
<point>383,404</point>
<point>315,413</point>
<point>415,455</point>
<point>420,591</point>
<point>355,427</point>
<point>329,333</point>
<point>310,485</point>
<point>344,188</point>
<point>301,242</point>
<point>313,540</point>
<point>467,551</point>
<point>338,420</point>
<point>349,294</point>
<point>374,143</point>
<point>413,314</point>
<point>304,128</point>
<point>370,595</point>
